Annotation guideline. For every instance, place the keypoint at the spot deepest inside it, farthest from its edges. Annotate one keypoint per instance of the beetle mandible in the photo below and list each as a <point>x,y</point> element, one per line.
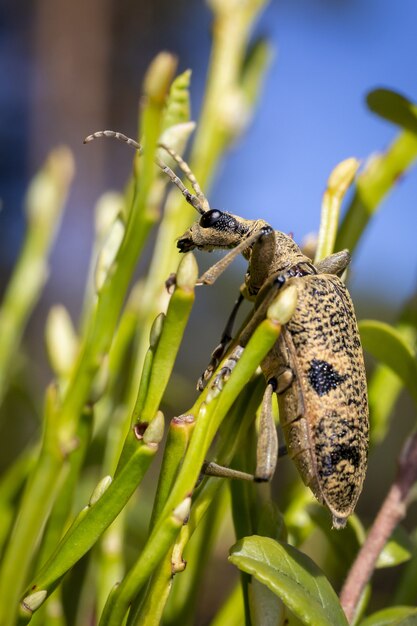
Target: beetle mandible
<point>316,368</point>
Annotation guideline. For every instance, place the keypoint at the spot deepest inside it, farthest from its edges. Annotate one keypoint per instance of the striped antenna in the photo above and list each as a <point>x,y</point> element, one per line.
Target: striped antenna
<point>197,200</point>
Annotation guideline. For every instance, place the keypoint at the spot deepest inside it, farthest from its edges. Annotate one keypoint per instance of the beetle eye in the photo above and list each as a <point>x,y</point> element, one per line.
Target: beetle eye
<point>209,218</point>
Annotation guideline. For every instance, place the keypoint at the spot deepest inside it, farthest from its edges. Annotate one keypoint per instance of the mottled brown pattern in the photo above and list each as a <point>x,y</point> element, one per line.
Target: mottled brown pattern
<point>324,413</point>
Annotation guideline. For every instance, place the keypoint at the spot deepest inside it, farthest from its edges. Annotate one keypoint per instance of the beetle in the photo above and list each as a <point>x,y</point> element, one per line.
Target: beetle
<point>316,367</point>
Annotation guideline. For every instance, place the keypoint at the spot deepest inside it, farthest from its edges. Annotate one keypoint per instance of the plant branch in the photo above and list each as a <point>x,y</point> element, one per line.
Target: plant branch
<point>392,511</point>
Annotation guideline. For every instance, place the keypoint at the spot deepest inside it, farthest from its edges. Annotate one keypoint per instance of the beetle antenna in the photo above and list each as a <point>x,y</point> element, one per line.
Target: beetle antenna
<point>197,200</point>
<point>185,168</point>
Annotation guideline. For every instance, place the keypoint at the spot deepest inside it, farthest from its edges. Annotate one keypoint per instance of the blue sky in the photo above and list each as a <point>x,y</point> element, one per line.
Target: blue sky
<point>312,115</point>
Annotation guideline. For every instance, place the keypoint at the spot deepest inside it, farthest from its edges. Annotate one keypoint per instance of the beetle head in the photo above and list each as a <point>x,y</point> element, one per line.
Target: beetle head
<point>215,229</point>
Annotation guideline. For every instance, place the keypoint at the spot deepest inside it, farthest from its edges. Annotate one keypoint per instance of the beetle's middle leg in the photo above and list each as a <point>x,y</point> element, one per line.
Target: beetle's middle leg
<point>219,352</point>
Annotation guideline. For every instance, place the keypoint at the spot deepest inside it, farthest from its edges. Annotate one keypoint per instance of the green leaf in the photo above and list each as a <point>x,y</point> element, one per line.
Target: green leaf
<point>394,616</point>
<point>397,550</point>
<point>394,107</point>
<point>293,576</point>
<point>387,345</point>
<point>385,386</point>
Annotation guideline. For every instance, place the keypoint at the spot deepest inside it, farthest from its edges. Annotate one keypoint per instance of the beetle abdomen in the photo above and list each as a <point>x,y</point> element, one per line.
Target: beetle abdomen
<point>324,412</point>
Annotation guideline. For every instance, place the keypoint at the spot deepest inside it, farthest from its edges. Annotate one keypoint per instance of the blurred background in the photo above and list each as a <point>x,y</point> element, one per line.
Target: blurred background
<point>69,67</point>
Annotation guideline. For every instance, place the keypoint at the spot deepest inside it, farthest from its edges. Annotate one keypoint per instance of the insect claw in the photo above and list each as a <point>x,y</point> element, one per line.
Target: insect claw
<point>170,282</point>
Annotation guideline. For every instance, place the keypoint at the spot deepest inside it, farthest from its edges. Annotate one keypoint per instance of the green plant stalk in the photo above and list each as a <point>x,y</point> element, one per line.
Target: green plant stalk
<point>243,509</point>
<point>337,185</point>
<point>166,337</point>
<point>94,519</point>
<point>179,310</point>
<point>182,606</point>
<point>211,413</point>
<point>129,441</point>
<point>177,442</point>
<point>149,612</point>
<point>229,437</point>
<point>231,612</point>
<point>118,604</point>
<point>152,606</point>
<point>111,566</point>
<point>10,484</point>
<point>216,128</point>
<point>377,179</point>
<point>62,509</point>
<point>40,492</point>
<point>173,456</point>
<point>97,342</point>
<point>106,313</point>
<point>45,201</point>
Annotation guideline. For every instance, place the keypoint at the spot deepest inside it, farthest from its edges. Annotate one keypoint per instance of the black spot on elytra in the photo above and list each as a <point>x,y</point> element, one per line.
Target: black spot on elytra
<point>323,377</point>
<point>340,452</point>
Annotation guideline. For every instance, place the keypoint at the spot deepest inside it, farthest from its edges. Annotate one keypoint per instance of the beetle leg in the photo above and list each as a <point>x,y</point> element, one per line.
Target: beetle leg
<point>219,351</point>
<point>267,451</point>
<point>259,314</point>
<point>214,469</point>
<point>212,274</point>
<point>267,447</point>
<point>244,337</point>
<point>225,372</point>
<point>285,379</point>
<point>335,263</point>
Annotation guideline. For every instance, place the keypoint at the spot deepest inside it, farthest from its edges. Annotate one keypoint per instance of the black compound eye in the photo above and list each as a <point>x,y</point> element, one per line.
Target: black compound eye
<point>209,218</point>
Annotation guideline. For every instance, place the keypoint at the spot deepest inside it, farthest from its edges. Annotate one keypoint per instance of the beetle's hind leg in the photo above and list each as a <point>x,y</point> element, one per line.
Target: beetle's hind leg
<point>267,447</point>
<point>267,450</point>
<point>335,263</point>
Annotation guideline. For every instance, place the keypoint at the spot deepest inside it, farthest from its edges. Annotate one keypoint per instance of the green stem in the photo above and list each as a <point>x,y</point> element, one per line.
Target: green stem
<point>157,546</point>
<point>45,201</point>
<point>94,519</point>
<point>216,128</point>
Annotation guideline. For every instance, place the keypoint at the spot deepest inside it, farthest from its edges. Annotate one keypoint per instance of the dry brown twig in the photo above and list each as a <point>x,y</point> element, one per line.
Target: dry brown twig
<point>392,511</point>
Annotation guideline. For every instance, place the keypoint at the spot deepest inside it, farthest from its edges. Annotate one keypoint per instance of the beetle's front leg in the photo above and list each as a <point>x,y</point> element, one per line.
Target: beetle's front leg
<point>259,314</point>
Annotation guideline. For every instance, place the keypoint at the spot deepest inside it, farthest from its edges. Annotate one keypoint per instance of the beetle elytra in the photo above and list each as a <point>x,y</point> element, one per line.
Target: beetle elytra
<point>316,367</point>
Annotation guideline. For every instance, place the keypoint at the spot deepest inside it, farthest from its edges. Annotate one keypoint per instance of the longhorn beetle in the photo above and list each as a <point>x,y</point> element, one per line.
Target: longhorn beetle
<point>316,367</point>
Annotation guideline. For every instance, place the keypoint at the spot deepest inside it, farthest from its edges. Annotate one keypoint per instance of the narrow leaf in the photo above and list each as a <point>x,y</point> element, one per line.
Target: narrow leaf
<point>397,550</point>
<point>387,345</point>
